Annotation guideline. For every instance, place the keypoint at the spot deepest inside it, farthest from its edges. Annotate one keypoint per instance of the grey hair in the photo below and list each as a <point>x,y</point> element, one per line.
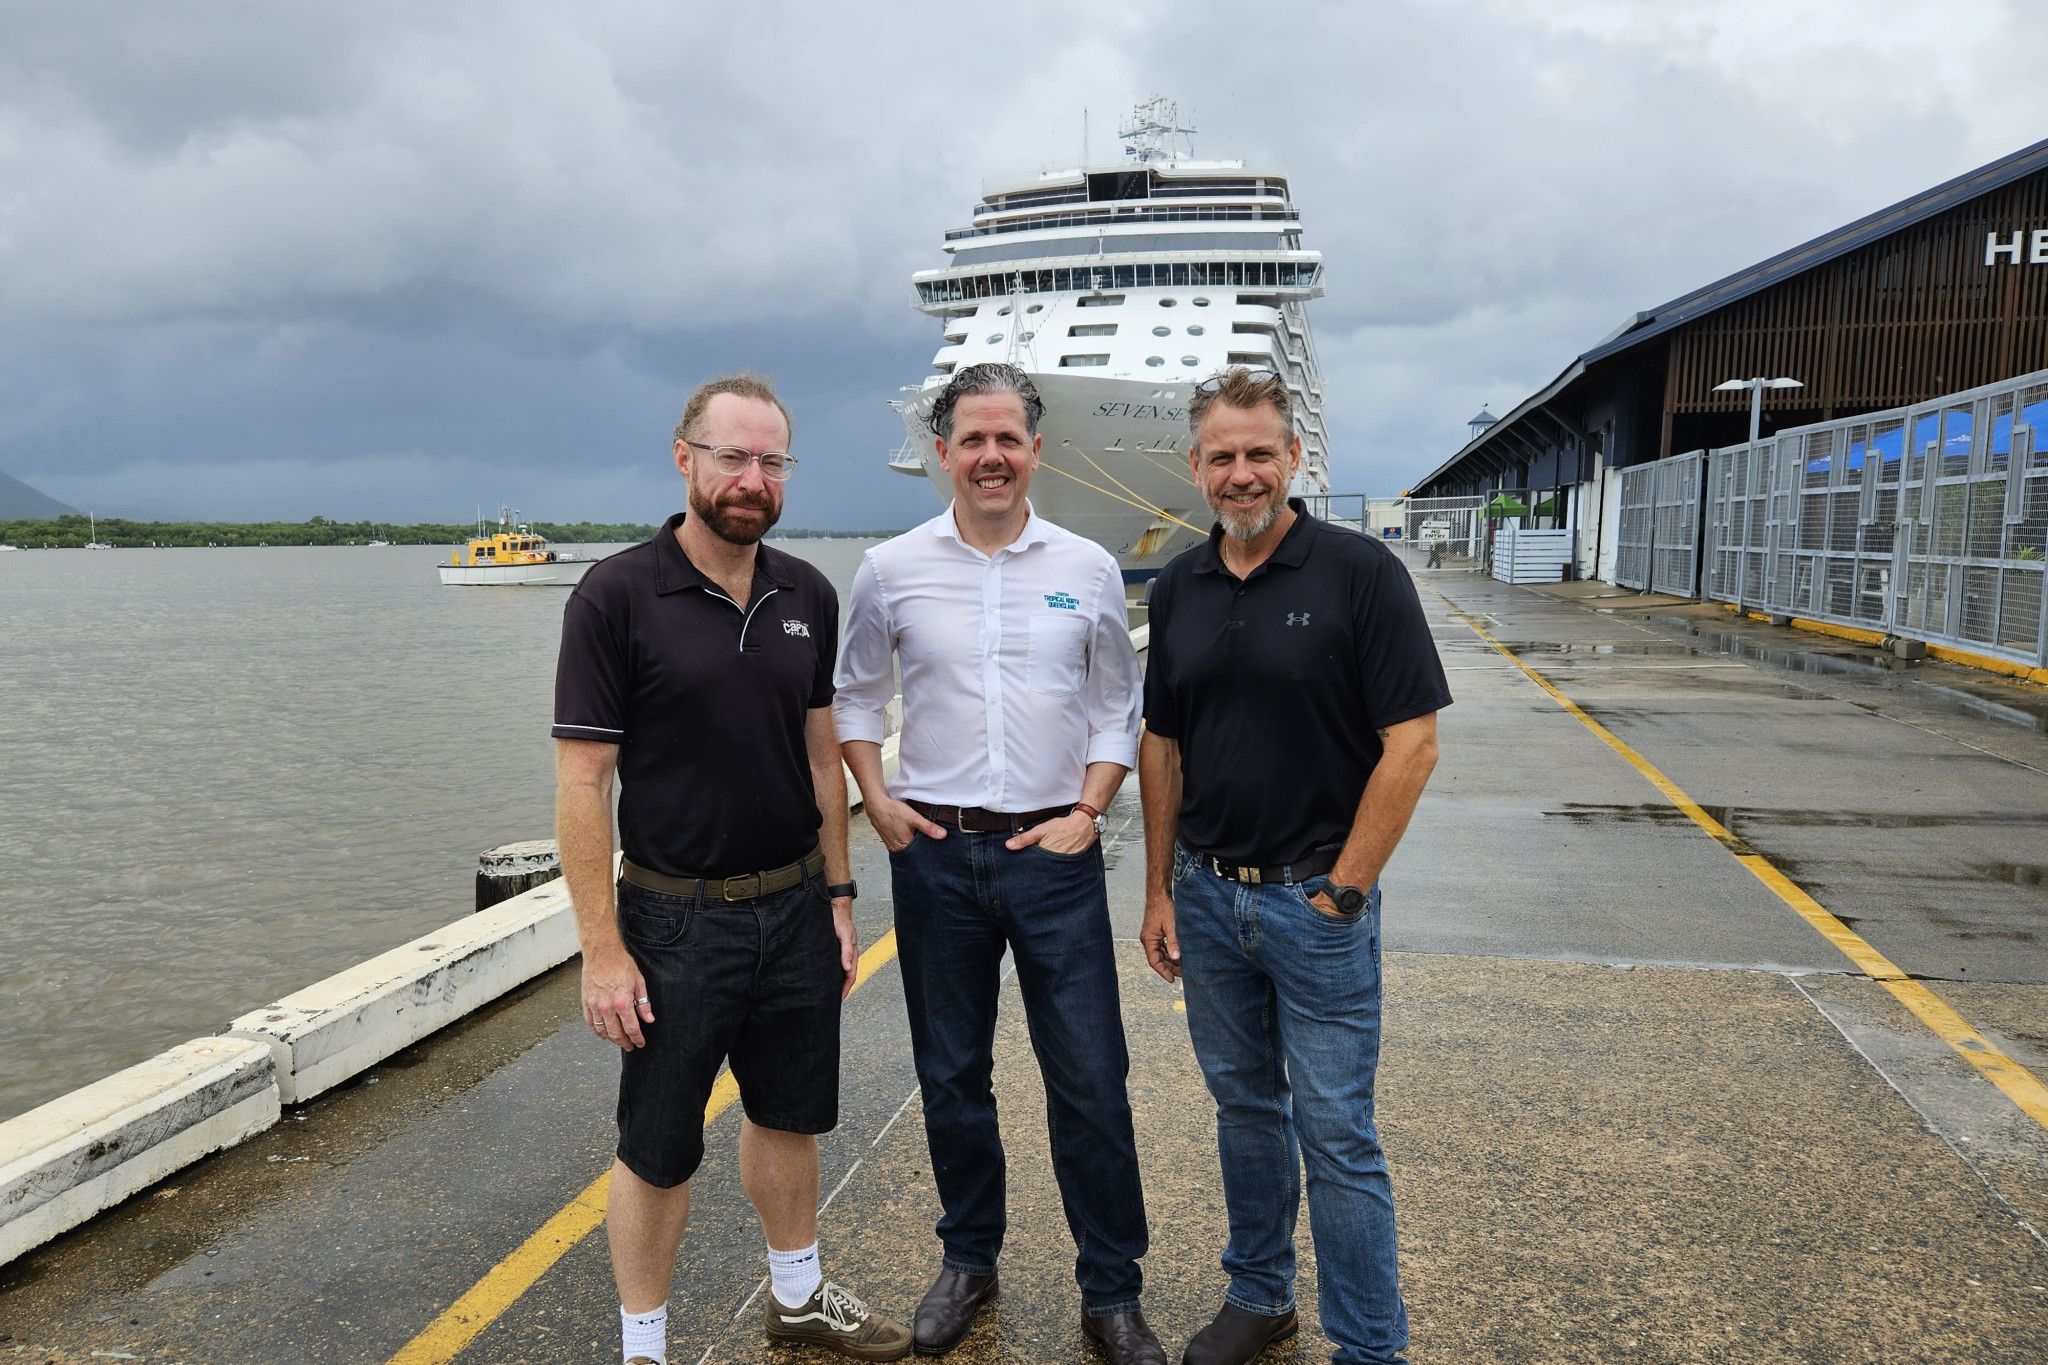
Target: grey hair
<point>1235,388</point>
<point>989,377</point>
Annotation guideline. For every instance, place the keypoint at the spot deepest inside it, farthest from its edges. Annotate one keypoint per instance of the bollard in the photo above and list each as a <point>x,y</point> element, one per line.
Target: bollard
<point>1909,649</point>
<point>509,869</point>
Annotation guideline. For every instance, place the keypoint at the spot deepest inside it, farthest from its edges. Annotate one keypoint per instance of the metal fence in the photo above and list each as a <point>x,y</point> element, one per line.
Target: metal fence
<point>1926,522</point>
<point>1460,523</point>
<point>1657,546</point>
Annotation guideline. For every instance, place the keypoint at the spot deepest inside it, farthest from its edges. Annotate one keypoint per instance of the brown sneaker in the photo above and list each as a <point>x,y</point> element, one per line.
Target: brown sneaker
<point>835,1319</point>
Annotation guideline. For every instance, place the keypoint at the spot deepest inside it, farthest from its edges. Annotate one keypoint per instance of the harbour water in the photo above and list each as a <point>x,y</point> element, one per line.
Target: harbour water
<point>229,773</point>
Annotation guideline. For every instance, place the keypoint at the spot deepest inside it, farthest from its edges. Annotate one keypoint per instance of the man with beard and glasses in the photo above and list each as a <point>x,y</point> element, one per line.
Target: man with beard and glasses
<point>1290,724</point>
<point>1020,719</point>
<point>698,669</point>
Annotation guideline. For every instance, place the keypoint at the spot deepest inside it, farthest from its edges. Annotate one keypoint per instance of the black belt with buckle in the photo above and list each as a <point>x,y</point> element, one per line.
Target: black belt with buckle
<point>746,887</point>
<point>976,820</point>
<point>1315,864</point>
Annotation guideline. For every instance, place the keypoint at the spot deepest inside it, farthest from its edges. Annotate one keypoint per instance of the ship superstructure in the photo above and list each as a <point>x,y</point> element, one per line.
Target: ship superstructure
<point>1118,288</point>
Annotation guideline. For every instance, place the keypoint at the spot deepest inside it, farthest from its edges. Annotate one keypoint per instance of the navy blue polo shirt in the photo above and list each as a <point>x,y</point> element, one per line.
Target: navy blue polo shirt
<point>706,701</point>
<point>1276,686</point>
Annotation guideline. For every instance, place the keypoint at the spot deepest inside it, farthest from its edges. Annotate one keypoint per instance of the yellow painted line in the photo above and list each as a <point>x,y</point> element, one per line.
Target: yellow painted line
<point>486,1300</point>
<point>1947,653</point>
<point>2020,1085</point>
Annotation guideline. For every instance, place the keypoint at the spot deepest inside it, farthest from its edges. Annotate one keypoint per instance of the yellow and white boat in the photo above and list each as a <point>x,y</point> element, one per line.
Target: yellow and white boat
<point>515,555</point>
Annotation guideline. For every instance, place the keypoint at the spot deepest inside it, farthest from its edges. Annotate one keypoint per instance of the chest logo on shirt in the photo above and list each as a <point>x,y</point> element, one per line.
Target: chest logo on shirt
<point>1064,601</point>
<point>797,628</point>
<point>1297,618</point>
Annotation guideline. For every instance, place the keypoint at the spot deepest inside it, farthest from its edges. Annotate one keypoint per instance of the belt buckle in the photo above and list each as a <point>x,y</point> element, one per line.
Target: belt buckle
<point>725,888</point>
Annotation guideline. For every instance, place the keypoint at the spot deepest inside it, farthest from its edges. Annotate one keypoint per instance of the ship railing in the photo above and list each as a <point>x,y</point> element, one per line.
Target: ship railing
<point>907,458</point>
<point>1095,217</point>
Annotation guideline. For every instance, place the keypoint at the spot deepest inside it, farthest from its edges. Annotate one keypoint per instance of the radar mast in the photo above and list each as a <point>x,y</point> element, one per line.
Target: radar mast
<point>1154,132</point>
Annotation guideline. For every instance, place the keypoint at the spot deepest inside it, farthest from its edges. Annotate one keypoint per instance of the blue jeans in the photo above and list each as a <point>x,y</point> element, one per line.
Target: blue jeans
<point>1284,1010</point>
<point>959,900</point>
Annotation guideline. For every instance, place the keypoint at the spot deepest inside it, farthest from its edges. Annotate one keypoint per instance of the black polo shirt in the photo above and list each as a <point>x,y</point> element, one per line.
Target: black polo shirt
<point>1275,686</point>
<point>706,702</point>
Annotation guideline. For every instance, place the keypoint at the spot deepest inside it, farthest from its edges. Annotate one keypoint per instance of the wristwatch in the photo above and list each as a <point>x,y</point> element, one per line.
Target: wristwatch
<point>1101,820</point>
<point>846,889</point>
<point>1348,899</point>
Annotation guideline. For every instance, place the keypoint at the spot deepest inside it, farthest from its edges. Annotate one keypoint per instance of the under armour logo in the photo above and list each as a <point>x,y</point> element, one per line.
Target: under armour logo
<point>1297,618</point>
<point>796,628</point>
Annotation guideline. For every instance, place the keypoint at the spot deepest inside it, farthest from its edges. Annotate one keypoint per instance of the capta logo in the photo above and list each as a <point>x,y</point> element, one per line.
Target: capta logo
<point>1063,601</point>
<point>797,628</point>
<point>1297,618</point>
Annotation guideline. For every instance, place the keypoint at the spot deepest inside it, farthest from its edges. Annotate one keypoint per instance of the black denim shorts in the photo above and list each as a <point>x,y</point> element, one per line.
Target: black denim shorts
<point>754,982</point>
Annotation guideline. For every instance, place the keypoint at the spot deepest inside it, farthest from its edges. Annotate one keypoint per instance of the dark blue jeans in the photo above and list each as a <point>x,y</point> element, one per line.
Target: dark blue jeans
<point>959,901</point>
<point>1284,1010</point>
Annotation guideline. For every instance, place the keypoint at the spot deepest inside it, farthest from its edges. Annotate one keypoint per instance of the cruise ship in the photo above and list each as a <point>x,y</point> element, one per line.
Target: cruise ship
<point>1118,287</point>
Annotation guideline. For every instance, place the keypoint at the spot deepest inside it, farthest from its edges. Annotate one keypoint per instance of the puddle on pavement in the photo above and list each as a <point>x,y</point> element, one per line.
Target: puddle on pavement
<point>1731,818</point>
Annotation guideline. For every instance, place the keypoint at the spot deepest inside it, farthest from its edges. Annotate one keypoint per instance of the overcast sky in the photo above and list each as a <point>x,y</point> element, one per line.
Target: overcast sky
<point>391,261</point>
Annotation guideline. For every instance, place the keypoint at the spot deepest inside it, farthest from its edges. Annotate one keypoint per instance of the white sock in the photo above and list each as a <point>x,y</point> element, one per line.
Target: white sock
<point>796,1275</point>
<point>646,1334</point>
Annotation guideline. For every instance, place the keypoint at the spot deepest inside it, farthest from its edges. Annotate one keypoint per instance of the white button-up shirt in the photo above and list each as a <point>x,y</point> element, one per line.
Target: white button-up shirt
<point>1018,670</point>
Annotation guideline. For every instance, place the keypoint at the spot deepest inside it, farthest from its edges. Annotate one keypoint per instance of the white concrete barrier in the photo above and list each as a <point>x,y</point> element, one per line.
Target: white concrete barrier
<point>71,1158</point>
<point>348,1023</point>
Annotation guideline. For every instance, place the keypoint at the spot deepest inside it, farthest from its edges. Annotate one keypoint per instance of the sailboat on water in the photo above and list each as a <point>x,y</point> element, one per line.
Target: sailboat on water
<point>93,541</point>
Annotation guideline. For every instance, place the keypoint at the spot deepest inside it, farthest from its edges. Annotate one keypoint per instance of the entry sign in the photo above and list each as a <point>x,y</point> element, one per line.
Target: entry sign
<point>2035,244</point>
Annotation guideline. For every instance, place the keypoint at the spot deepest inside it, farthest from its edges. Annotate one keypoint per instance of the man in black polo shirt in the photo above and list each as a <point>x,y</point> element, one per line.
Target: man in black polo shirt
<point>698,669</point>
<point>1290,715</point>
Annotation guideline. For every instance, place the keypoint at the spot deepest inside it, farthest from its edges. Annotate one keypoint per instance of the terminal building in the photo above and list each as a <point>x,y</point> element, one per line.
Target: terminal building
<point>1895,485</point>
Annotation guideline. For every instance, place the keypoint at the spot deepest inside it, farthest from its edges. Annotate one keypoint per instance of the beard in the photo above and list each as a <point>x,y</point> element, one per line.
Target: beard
<point>1245,526</point>
<point>718,516</point>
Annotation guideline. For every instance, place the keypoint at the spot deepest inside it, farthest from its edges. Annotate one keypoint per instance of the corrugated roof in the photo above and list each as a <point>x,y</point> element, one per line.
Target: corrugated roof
<point>1841,241</point>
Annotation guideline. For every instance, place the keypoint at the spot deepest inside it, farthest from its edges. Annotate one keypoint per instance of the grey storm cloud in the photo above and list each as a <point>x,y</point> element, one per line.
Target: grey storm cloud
<point>391,260</point>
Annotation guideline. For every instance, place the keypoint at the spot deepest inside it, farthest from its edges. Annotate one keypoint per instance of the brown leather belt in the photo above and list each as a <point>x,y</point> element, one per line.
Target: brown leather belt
<point>749,886</point>
<point>1287,874</point>
<point>976,820</point>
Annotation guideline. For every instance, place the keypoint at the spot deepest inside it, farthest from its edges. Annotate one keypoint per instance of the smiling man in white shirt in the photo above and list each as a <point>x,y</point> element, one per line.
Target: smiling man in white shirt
<point>1021,698</point>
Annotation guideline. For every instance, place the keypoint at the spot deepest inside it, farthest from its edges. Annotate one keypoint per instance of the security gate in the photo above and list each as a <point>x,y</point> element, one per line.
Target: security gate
<point>1459,523</point>
<point>1657,548</point>
<point>1927,522</point>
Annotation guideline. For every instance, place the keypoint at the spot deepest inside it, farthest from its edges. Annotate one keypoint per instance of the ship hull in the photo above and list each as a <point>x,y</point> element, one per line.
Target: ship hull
<point>562,573</point>
<point>1114,459</point>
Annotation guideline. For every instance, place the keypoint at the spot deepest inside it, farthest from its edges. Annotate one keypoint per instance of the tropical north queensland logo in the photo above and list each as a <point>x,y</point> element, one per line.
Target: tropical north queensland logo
<point>1063,601</point>
<point>797,628</point>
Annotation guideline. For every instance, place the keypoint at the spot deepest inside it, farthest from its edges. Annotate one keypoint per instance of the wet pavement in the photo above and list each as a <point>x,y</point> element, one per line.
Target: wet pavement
<point>1636,1109</point>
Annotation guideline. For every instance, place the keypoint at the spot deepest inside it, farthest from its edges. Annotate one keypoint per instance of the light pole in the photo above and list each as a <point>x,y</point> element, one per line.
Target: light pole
<point>1756,389</point>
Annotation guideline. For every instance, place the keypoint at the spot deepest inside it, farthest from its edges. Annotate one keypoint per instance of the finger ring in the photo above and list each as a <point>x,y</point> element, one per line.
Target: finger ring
<point>641,1001</point>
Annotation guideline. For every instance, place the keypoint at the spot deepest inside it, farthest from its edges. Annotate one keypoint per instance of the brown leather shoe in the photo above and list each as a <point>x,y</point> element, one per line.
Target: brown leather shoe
<point>1235,1335</point>
<point>1126,1338</point>
<point>948,1308</point>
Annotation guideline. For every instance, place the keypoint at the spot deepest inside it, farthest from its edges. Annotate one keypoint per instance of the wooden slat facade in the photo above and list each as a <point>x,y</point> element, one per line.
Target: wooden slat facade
<point>1904,319</point>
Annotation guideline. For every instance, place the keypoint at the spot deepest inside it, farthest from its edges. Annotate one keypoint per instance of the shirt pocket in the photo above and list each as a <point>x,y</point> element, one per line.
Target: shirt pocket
<point>1057,660</point>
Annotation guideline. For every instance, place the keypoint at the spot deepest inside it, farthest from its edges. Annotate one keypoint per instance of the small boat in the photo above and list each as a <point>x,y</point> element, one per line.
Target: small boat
<point>373,544</point>
<point>513,555</point>
<point>94,542</point>
<point>5,548</point>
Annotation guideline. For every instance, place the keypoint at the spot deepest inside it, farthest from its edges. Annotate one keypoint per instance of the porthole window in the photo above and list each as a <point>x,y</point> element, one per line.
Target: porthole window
<point>1190,360</point>
<point>1003,311</point>
<point>994,337</point>
<point>1201,303</point>
<point>1155,360</point>
<point>1036,308</point>
<point>1162,331</point>
<point>1195,331</point>
<point>1166,303</point>
<point>1027,336</point>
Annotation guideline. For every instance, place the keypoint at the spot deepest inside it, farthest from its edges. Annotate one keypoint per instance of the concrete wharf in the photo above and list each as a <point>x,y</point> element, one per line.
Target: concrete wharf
<point>1650,1091</point>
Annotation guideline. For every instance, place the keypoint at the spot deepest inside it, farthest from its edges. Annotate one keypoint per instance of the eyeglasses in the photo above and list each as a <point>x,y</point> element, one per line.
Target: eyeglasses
<point>1216,381</point>
<point>776,465</point>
